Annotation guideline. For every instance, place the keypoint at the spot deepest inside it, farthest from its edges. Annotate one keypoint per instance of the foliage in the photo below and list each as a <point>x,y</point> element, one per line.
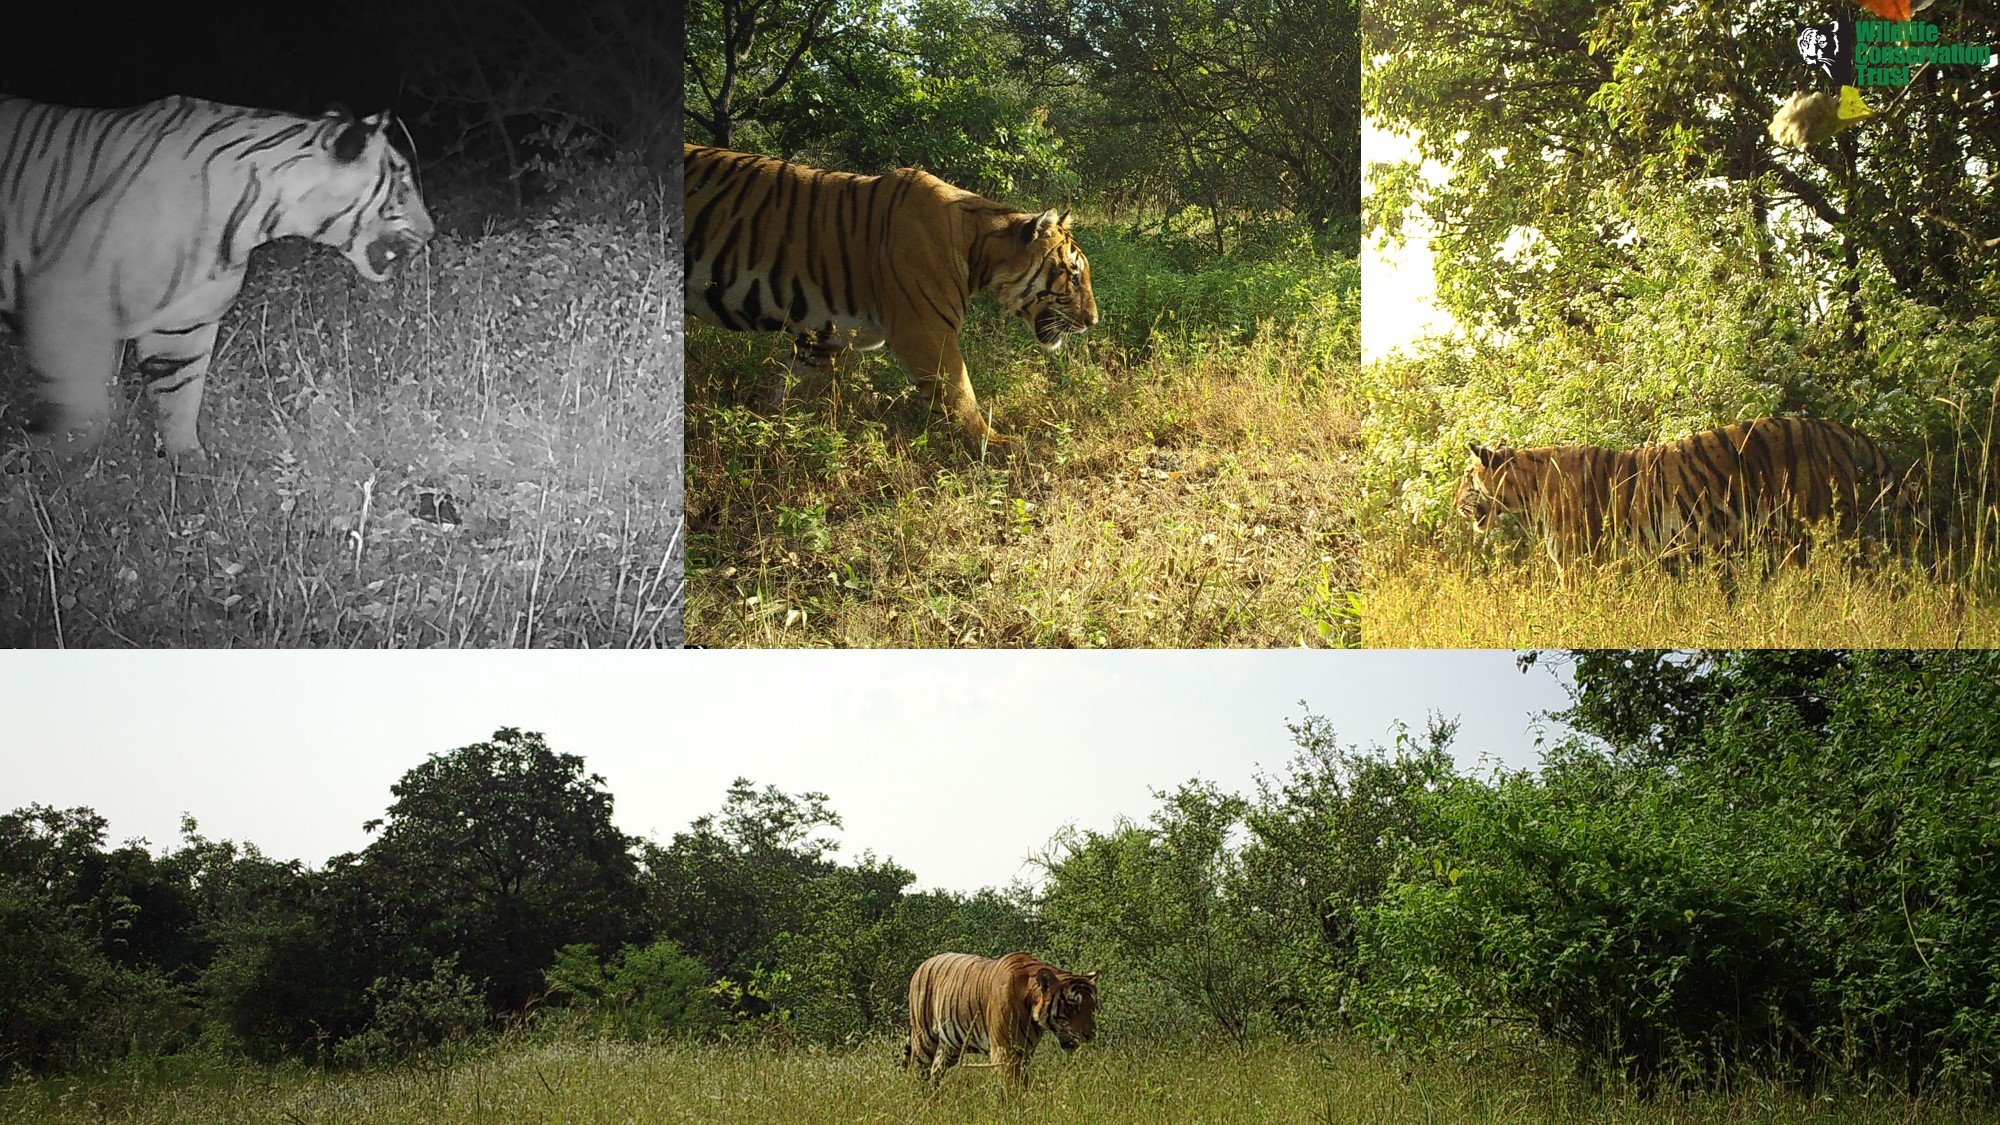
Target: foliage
<point>1577,116</point>
<point>1237,109</point>
<point>409,1017</point>
<point>864,86</point>
<point>1794,886</point>
<point>638,992</point>
<point>503,852</point>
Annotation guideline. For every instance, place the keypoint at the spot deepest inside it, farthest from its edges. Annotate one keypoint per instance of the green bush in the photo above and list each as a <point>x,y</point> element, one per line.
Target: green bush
<point>1805,890</point>
<point>638,992</point>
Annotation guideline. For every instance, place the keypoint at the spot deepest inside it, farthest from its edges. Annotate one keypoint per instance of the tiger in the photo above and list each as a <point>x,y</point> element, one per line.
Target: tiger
<point>996,1007</point>
<point>135,226</point>
<point>1714,490</point>
<point>844,260</point>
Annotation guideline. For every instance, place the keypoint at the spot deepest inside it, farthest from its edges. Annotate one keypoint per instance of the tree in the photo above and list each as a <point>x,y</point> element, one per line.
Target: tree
<point>726,888</point>
<point>1327,841</point>
<point>862,86</point>
<point>1563,123</point>
<point>1251,106</point>
<point>1165,903</point>
<point>500,853</point>
<point>91,944</point>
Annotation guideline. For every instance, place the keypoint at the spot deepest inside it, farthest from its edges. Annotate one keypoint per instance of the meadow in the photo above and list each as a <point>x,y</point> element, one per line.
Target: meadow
<point>1113,1081</point>
<point>1187,482</point>
<point>483,452</point>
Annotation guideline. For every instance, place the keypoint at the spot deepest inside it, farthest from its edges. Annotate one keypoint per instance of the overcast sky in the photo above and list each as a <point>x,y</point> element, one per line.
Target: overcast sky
<point>957,765</point>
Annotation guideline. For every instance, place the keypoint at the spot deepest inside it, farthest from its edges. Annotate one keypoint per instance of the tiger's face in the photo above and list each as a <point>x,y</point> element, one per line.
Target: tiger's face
<point>1066,1007</point>
<point>367,201</point>
<point>1052,289</point>
<point>1483,493</point>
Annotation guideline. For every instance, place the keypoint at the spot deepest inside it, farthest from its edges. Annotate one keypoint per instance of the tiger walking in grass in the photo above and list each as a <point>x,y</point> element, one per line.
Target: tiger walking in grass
<point>1764,480</point>
<point>998,1007</point>
<point>841,260</point>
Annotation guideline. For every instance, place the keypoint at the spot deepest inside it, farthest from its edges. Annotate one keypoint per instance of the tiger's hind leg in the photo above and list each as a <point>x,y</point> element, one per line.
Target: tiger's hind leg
<point>75,358</point>
<point>175,365</point>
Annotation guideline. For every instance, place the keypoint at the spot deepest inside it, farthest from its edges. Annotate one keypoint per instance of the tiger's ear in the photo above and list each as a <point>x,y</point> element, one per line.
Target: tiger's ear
<point>1491,458</point>
<point>1045,979</point>
<point>1092,978</point>
<point>1044,224</point>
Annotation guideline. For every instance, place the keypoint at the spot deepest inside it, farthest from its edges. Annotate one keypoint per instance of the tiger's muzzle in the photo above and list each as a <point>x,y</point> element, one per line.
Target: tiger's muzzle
<point>387,251</point>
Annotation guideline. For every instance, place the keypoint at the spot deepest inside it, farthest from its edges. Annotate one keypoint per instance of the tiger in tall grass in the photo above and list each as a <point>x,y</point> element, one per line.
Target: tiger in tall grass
<point>136,225</point>
<point>843,260</point>
<point>997,1007</point>
<point>1764,480</point>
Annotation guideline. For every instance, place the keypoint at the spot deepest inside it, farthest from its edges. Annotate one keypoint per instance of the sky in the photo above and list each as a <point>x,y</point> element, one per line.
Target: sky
<point>1396,282</point>
<point>959,766</point>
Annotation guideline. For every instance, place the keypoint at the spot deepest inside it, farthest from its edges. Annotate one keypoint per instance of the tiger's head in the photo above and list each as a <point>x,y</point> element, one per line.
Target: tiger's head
<point>1064,1005</point>
<point>362,199</point>
<point>1493,484</point>
<point>1046,280</point>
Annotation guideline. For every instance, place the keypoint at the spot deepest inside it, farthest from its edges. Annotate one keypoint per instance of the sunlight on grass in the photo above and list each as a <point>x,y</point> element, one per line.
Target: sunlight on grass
<point>1436,597</point>
<point>1181,489</point>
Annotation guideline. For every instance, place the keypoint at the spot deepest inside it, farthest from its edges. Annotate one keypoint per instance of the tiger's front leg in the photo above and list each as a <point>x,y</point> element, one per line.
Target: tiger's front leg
<point>175,365</point>
<point>934,361</point>
<point>76,360</point>
<point>811,366</point>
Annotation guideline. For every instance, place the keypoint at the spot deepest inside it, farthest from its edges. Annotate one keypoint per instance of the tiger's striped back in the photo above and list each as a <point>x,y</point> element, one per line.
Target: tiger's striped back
<point>136,225</point>
<point>842,260</point>
<point>1000,1007</point>
<point>1762,480</point>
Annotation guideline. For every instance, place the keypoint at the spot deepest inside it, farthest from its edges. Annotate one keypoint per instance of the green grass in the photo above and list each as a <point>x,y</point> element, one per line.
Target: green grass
<point>1110,1082</point>
<point>524,376</point>
<point>1188,480</point>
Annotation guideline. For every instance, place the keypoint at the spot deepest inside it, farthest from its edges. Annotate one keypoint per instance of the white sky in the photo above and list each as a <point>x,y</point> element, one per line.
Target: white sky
<point>293,751</point>
<point>1396,283</point>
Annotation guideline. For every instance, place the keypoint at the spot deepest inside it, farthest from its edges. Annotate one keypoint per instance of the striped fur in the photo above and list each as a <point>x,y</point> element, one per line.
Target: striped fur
<point>999,1008</point>
<point>841,260</point>
<point>1766,479</point>
<point>136,225</point>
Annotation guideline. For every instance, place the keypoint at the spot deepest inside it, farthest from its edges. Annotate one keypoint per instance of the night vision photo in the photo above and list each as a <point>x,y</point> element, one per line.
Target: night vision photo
<point>278,372</point>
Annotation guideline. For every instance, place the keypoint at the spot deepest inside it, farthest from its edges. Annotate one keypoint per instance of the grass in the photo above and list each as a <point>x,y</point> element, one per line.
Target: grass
<point>1113,1082</point>
<point>1431,596</point>
<point>1188,481</point>
<point>482,453</point>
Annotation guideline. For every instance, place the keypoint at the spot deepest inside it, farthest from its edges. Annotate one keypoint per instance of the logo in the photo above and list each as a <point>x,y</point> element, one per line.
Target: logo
<point>1881,52</point>
<point>1829,49</point>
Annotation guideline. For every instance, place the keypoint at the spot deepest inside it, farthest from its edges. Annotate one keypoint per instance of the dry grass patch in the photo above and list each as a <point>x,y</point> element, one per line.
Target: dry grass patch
<point>1437,597</point>
<point>1199,499</point>
<point>1269,1081</point>
<point>1189,478</point>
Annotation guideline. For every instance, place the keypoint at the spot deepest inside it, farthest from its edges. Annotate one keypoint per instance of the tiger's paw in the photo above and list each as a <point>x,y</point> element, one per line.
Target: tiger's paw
<point>50,430</point>
<point>189,456</point>
<point>999,446</point>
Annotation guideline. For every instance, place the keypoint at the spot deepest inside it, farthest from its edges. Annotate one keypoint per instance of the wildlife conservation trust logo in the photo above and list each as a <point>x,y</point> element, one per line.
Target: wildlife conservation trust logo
<point>1861,53</point>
